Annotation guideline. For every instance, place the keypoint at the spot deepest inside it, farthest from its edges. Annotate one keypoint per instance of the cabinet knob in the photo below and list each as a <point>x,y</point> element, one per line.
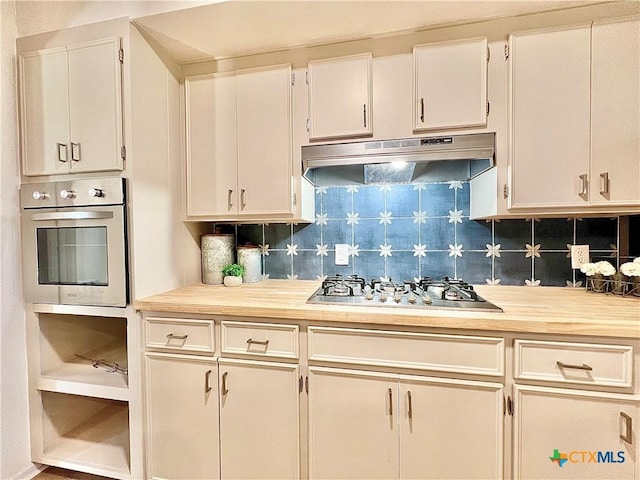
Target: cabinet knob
<point>40,195</point>
<point>67,194</point>
<point>96,192</point>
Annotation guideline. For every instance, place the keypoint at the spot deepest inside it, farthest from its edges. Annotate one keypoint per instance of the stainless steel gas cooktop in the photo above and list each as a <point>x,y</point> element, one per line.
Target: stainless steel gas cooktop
<point>423,293</point>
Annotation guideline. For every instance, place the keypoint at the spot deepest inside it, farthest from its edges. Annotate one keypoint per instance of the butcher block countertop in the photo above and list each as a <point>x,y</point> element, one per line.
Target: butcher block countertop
<point>525,309</point>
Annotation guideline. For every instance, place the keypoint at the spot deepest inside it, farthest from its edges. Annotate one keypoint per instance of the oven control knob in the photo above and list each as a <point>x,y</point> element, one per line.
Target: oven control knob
<point>40,195</point>
<point>67,194</point>
<point>96,192</point>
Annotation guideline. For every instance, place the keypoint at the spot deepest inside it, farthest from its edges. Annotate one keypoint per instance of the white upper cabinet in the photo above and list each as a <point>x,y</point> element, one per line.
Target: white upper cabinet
<point>264,141</point>
<point>615,113</point>
<point>450,84</point>
<point>71,109</point>
<point>239,144</point>
<point>211,145</point>
<point>550,117</point>
<point>575,118</point>
<point>340,97</point>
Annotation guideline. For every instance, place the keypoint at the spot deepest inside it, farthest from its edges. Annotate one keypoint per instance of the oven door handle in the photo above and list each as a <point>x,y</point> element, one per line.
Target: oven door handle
<point>71,216</point>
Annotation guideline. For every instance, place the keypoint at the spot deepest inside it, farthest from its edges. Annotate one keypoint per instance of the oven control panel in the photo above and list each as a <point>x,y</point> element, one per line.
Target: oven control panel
<point>73,193</point>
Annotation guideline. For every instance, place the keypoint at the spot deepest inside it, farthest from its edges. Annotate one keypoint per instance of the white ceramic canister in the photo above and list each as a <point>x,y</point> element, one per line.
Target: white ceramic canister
<point>250,257</point>
<point>217,251</point>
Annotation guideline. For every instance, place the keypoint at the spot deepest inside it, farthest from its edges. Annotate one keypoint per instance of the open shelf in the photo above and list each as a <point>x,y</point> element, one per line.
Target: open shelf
<point>89,434</point>
<point>64,337</point>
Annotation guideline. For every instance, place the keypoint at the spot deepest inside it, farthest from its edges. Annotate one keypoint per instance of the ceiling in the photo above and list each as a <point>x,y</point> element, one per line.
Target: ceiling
<point>234,28</point>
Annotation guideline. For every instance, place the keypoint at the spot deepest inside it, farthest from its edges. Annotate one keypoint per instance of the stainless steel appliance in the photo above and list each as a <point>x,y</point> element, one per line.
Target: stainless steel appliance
<point>423,293</point>
<point>74,242</point>
<point>398,160</point>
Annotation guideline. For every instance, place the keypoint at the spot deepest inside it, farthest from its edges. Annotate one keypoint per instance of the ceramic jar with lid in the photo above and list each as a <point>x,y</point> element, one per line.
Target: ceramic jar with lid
<point>217,251</point>
<point>250,257</point>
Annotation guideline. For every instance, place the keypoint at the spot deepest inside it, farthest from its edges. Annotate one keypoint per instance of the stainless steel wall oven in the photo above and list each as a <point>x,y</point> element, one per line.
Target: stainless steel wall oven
<point>74,242</point>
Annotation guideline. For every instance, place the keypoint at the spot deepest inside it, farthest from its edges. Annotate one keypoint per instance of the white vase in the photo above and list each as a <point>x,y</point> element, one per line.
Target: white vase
<point>232,281</point>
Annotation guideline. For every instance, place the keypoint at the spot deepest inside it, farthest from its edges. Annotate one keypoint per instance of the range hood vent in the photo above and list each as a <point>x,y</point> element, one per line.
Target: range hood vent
<point>401,160</point>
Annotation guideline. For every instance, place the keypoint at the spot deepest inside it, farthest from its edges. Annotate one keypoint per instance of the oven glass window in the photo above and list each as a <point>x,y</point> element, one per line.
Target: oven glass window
<point>72,256</point>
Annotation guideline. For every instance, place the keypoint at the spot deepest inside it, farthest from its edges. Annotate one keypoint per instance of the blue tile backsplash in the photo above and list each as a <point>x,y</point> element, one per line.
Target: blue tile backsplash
<point>401,231</point>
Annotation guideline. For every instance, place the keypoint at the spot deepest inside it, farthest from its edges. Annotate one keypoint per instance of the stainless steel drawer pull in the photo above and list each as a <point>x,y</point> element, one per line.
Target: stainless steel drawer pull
<point>251,341</point>
<point>62,152</point>
<point>177,337</point>
<point>584,185</point>
<point>75,148</point>
<point>410,405</point>
<point>584,366</point>
<point>207,385</point>
<point>243,197</point>
<point>604,177</point>
<point>390,402</point>
<point>225,390</point>
<point>422,110</point>
<point>628,421</point>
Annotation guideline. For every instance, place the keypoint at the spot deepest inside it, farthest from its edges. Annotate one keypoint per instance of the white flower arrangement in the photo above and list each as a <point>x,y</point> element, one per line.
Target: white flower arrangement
<point>631,269</point>
<point>603,268</point>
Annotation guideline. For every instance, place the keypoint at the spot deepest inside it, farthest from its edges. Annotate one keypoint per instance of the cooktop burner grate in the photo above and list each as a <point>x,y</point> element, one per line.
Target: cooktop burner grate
<point>425,292</point>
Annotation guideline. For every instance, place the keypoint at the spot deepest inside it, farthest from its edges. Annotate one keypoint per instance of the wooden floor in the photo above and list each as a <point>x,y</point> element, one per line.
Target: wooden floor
<point>55,473</point>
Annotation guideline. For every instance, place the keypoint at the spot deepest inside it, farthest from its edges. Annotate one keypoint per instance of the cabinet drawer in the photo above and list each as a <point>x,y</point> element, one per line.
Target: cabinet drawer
<point>445,353</point>
<point>260,339</point>
<point>178,334</point>
<point>581,363</point>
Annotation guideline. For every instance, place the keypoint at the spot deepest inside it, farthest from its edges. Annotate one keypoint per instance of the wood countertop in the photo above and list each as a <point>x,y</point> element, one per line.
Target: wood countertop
<point>525,309</point>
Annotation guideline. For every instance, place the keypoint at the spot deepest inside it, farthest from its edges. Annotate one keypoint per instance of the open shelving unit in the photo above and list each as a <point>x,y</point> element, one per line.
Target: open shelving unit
<point>83,407</point>
<point>87,431</point>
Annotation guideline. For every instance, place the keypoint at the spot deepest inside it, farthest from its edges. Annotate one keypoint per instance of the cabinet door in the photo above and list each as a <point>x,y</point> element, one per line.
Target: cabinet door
<point>562,433</point>
<point>436,414</point>
<point>95,106</point>
<point>550,108</point>
<point>353,430</point>
<point>340,93</point>
<point>264,141</point>
<point>182,417</point>
<point>45,112</point>
<point>211,145</point>
<point>615,112</point>
<point>259,420</point>
<point>450,84</point>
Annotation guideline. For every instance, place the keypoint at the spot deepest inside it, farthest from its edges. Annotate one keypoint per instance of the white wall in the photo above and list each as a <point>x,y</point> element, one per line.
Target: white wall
<point>14,445</point>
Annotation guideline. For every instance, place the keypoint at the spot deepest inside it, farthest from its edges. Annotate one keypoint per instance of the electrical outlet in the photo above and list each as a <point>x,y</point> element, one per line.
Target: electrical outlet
<point>342,254</point>
<point>579,255</point>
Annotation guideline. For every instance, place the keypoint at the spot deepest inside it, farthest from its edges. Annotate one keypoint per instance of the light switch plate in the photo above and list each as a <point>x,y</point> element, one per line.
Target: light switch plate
<point>579,255</point>
<point>342,254</point>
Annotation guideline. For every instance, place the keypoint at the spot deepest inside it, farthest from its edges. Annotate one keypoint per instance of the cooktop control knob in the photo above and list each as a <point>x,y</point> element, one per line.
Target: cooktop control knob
<point>383,296</point>
<point>426,299</point>
<point>412,298</point>
<point>67,194</point>
<point>96,192</point>
<point>397,297</point>
<point>40,195</point>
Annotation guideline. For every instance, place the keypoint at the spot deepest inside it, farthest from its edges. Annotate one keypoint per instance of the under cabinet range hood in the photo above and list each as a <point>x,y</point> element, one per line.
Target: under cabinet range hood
<point>458,157</point>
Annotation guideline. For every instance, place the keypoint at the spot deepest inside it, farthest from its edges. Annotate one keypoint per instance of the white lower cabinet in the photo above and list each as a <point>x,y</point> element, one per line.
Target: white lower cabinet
<point>182,417</point>
<point>562,433</point>
<point>259,420</point>
<point>383,425</point>
<point>353,431</point>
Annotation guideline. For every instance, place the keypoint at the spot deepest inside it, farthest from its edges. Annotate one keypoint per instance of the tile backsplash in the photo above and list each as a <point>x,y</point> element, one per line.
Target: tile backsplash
<point>410,230</point>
